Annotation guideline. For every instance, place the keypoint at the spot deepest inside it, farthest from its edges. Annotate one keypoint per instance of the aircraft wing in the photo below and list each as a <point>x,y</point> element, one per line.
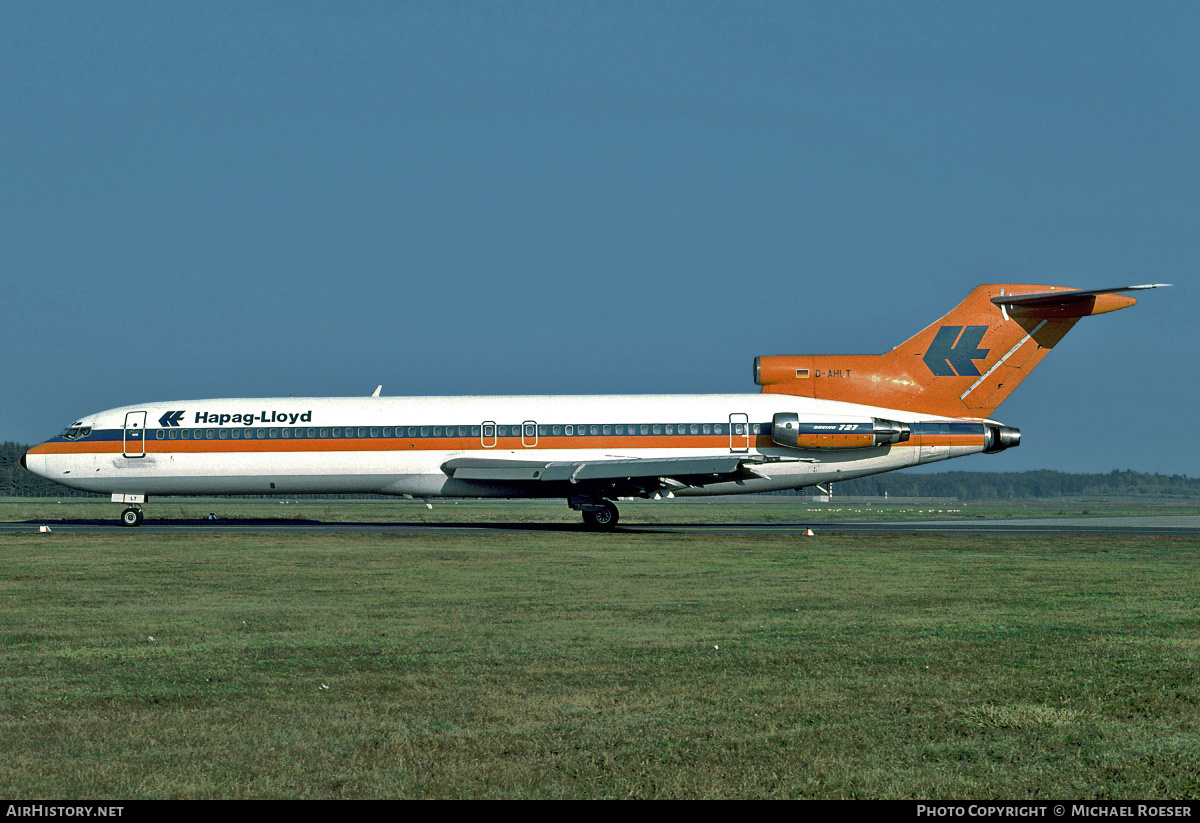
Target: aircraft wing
<point>637,473</point>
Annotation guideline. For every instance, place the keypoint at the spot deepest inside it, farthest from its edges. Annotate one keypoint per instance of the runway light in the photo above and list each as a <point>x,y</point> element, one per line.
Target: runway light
<point>43,530</point>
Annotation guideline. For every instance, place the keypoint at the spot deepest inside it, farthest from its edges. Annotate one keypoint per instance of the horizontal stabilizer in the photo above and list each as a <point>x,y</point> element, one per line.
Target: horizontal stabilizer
<point>1073,302</point>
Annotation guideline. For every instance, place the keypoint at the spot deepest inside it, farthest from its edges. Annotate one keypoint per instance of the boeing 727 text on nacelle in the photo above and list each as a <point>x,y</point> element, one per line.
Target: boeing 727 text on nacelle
<point>818,419</point>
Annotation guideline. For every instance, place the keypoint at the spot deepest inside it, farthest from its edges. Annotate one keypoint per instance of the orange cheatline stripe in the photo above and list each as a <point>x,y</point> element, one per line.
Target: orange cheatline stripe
<point>715,442</point>
<point>389,444</point>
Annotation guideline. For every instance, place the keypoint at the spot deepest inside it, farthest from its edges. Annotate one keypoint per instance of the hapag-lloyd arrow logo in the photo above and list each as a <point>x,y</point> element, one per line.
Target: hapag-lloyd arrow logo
<point>953,349</point>
<point>171,418</point>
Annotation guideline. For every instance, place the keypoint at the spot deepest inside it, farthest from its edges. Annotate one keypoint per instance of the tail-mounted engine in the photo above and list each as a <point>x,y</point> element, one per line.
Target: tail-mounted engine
<point>999,438</point>
<point>787,430</point>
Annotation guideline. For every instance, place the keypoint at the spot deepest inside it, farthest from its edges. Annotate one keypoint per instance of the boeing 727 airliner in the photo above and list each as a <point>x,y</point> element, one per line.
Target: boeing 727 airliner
<point>818,419</point>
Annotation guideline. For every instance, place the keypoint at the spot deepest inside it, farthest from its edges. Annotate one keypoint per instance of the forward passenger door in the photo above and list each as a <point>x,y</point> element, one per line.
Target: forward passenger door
<point>135,434</point>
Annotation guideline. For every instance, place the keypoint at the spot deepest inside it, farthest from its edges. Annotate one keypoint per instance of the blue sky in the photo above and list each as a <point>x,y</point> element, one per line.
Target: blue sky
<point>249,199</point>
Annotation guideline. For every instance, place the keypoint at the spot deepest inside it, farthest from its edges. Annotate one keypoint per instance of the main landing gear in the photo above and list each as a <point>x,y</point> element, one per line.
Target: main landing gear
<point>132,517</point>
<point>598,515</point>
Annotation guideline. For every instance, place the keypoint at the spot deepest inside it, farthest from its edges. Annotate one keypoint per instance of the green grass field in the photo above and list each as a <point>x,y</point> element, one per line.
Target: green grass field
<point>753,508</point>
<point>565,665</point>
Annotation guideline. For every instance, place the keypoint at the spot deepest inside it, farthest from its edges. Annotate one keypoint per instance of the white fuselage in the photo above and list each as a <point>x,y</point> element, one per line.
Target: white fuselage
<point>401,445</point>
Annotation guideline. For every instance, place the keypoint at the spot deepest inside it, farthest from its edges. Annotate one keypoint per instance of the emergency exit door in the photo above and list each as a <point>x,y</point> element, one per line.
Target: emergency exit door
<point>739,432</point>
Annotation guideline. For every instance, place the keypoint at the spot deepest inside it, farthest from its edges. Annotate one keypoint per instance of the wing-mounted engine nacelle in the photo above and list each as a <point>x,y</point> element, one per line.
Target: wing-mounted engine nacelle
<point>999,438</point>
<point>787,430</point>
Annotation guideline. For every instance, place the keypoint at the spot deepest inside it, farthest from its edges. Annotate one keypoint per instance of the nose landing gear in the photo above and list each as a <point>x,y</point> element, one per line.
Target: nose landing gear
<point>132,517</point>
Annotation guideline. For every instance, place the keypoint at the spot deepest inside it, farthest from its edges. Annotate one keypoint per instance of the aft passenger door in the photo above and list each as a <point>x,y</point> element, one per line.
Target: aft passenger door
<point>135,434</point>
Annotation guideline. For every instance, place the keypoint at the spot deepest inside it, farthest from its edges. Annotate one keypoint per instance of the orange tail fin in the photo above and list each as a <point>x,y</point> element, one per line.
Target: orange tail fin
<point>964,365</point>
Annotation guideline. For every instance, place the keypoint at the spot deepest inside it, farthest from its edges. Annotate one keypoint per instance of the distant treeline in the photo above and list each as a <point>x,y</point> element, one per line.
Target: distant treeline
<point>1031,484</point>
<point>18,482</point>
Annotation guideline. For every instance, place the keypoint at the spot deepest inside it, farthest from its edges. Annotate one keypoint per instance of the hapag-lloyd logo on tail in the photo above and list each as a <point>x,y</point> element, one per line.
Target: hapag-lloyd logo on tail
<point>953,349</point>
<point>283,418</point>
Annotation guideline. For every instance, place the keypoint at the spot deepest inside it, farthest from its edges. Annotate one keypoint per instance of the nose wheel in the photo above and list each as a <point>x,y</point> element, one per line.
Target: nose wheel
<point>131,517</point>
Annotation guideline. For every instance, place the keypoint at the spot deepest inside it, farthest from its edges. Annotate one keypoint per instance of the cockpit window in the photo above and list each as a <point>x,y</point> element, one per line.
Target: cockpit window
<point>76,431</point>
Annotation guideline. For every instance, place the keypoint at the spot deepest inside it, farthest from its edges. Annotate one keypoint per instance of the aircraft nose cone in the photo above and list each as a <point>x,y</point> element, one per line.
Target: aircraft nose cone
<point>23,462</point>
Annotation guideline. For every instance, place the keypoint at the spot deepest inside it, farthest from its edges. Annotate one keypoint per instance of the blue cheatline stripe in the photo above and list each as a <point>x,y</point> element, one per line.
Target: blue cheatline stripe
<point>508,431</point>
<point>425,432</point>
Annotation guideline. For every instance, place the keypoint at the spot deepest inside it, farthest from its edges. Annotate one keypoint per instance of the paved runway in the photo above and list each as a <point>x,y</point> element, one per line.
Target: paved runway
<point>1178,525</point>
